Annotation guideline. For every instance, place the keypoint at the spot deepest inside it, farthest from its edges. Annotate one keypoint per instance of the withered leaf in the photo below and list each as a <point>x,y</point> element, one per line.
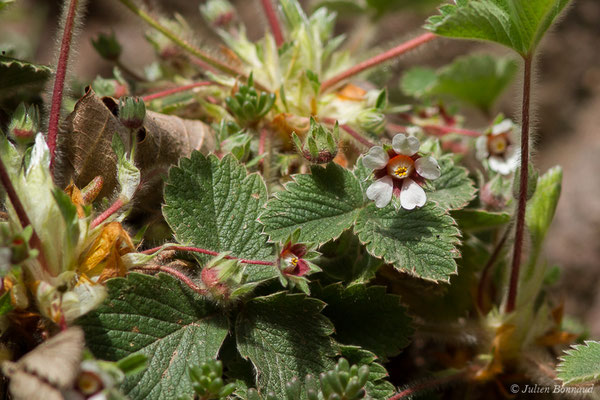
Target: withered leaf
<point>84,147</point>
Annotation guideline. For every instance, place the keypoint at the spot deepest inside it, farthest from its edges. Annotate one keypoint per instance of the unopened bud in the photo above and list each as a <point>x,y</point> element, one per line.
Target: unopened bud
<point>371,120</point>
<point>107,46</point>
<point>320,145</point>
<point>132,112</point>
<point>219,13</point>
<point>222,276</point>
<point>24,124</point>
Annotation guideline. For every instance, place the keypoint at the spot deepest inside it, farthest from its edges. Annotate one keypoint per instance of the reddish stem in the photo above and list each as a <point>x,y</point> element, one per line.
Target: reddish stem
<point>363,140</point>
<point>273,22</point>
<point>169,92</point>
<point>208,252</point>
<point>522,206</point>
<point>116,206</point>
<point>176,274</point>
<point>381,58</point>
<point>261,143</point>
<point>35,241</point>
<point>59,80</point>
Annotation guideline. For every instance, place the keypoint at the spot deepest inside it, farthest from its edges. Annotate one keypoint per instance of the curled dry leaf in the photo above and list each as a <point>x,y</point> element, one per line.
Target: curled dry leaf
<point>84,147</point>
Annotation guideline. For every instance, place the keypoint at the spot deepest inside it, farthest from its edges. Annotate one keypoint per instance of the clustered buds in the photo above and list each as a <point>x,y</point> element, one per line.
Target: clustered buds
<point>320,144</point>
<point>107,46</point>
<point>248,106</point>
<point>132,112</point>
<point>24,124</point>
<point>207,380</point>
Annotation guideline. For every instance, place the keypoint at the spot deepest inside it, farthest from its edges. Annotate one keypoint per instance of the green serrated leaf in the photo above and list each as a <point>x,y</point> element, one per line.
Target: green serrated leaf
<point>16,74</point>
<point>517,24</point>
<point>367,317</point>
<point>377,386</point>
<point>453,189</point>
<point>214,204</point>
<point>162,319</point>
<point>420,241</point>
<point>580,364</point>
<point>541,207</point>
<point>322,204</point>
<point>471,220</point>
<point>285,336</point>
<point>476,79</point>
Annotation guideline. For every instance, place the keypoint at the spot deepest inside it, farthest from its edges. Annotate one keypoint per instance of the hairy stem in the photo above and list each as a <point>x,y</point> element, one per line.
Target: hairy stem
<point>224,68</point>
<point>522,206</point>
<point>429,385</point>
<point>116,206</point>
<point>381,58</point>
<point>177,274</point>
<point>273,22</point>
<point>35,241</point>
<point>169,92</point>
<point>208,252</point>
<point>59,80</point>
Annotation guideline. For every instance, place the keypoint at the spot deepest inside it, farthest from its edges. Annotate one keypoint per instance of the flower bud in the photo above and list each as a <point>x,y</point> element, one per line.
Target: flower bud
<point>24,124</point>
<point>218,13</point>
<point>222,276</point>
<point>107,46</point>
<point>320,145</point>
<point>132,112</point>
<point>371,120</point>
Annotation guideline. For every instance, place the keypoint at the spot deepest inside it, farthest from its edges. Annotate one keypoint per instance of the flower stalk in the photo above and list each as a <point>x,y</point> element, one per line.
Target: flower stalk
<point>273,22</point>
<point>359,138</point>
<point>207,252</point>
<point>59,80</point>
<point>379,59</point>
<point>523,179</point>
<point>179,89</point>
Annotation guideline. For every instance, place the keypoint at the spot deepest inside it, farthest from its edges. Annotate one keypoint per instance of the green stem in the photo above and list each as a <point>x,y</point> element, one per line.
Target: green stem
<point>224,68</point>
<point>523,180</point>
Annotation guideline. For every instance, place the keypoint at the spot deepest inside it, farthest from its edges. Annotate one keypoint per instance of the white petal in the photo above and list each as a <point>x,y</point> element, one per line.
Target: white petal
<point>481,148</point>
<point>376,158</point>
<point>428,167</point>
<point>404,145</point>
<point>380,191</point>
<point>412,195</point>
<point>502,127</point>
<point>502,166</point>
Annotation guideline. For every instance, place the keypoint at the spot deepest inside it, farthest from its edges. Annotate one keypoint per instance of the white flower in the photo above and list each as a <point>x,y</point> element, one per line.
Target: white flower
<point>400,172</point>
<point>498,148</point>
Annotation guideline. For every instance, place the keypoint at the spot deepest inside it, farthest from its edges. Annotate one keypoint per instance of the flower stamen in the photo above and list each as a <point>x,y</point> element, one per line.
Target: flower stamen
<point>400,166</point>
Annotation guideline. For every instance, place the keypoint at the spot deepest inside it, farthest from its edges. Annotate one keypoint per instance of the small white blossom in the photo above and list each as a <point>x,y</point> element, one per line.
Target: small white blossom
<point>400,172</point>
<point>498,149</point>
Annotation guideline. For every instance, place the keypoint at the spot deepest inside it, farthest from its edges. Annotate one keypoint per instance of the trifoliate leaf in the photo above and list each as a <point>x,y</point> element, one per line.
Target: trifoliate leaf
<point>214,204</point>
<point>322,204</point>
<point>420,241</point>
<point>377,386</point>
<point>475,79</point>
<point>284,336</point>
<point>580,364</point>
<point>517,24</point>
<point>453,189</point>
<point>367,317</point>
<point>16,74</point>
<point>473,220</point>
<point>159,317</point>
